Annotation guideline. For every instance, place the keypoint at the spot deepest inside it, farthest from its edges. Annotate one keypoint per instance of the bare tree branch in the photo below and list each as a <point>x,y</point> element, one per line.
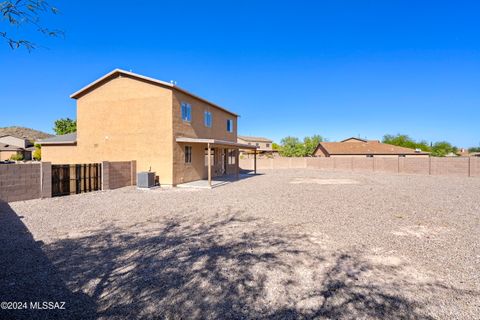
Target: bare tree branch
<point>18,13</point>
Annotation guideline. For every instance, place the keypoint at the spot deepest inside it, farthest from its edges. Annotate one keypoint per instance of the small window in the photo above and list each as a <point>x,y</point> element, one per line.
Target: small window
<point>268,145</point>
<point>229,125</point>
<point>186,112</point>
<point>257,144</point>
<point>212,157</point>
<point>188,154</point>
<point>207,120</point>
<point>232,156</point>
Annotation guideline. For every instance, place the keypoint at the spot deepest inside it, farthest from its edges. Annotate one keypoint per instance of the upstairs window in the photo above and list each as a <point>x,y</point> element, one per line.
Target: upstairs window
<point>229,125</point>
<point>207,119</point>
<point>186,112</point>
<point>188,154</point>
<point>268,145</point>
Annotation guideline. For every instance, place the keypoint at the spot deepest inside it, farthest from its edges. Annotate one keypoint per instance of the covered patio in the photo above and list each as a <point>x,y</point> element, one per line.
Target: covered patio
<point>229,149</point>
<point>216,182</point>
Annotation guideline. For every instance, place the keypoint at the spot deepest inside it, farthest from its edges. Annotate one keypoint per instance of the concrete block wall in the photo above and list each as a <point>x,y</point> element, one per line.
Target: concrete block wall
<point>449,166</point>
<point>20,181</point>
<point>414,165</point>
<point>362,164</point>
<point>118,174</point>
<point>475,166</point>
<point>427,166</point>
<point>385,164</point>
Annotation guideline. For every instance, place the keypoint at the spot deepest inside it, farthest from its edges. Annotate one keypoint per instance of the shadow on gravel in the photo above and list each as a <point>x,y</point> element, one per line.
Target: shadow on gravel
<point>27,275</point>
<point>224,268</point>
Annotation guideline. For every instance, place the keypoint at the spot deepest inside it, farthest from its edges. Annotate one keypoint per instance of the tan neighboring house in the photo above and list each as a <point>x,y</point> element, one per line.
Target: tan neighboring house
<point>10,146</point>
<point>264,145</point>
<point>166,129</point>
<point>364,148</point>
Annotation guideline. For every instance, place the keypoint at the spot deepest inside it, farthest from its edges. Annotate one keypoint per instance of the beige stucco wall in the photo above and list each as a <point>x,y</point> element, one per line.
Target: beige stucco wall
<point>196,129</point>
<point>123,119</point>
<point>5,155</point>
<point>60,154</point>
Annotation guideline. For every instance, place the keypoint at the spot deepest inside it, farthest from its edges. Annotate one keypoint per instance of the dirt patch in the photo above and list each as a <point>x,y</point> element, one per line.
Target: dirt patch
<point>323,181</point>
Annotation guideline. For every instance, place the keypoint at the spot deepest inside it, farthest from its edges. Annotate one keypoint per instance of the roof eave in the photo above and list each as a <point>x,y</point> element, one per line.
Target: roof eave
<point>81,92</point>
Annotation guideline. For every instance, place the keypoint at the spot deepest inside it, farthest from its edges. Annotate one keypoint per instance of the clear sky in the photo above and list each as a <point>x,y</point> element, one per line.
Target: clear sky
<point>336,68</point>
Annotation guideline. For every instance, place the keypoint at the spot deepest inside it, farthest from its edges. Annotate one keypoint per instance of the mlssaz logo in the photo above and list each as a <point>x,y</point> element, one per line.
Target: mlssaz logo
<point>47,305</point>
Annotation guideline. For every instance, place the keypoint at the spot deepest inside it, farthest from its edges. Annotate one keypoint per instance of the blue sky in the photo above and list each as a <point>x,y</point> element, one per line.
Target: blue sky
<point>335,68</point>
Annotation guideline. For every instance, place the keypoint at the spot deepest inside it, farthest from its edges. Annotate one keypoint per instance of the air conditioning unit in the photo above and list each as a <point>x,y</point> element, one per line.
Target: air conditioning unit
<point>146,179</point>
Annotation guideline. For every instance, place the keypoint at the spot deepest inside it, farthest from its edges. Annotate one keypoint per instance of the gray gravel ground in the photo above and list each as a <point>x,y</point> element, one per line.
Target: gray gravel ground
<point>287,244</point>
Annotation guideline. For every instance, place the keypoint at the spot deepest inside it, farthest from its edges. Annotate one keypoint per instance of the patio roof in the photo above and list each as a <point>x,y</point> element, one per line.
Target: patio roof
<point>215,142</point>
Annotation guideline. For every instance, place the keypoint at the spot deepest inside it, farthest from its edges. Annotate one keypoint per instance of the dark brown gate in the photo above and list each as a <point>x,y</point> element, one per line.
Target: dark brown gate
<point>76,178</point>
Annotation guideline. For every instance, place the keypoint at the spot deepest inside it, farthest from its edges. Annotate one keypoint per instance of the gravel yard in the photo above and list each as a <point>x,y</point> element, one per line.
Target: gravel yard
<point>286,244</point>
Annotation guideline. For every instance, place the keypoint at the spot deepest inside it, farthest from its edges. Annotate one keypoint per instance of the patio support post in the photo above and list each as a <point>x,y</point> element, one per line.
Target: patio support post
<point>237,161</point>
<point>255,161</point>
<point>209,166</point>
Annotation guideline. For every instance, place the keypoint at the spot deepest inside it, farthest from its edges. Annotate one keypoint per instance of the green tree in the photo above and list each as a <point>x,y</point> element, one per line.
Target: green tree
<point>291,147</point>
<point>442,148</point>
<point>311,143</point>
<point>23,14</point>
<point>275,146</point>
<point>403,140</point>
<point>37,154</point>
<point>474,149</point>
<point>64,126</point>
<point>16,157</point>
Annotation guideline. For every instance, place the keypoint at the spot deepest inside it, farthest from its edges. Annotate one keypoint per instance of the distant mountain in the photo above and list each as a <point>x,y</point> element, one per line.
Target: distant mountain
<point>25,133</point>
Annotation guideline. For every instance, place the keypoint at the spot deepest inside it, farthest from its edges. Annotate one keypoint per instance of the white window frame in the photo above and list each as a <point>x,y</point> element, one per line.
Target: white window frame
<point>229,125</point>
<point>207,119</point>
<point>186,110</point>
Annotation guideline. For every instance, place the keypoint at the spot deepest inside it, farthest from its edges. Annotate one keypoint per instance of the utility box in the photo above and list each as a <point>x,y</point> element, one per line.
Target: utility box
<point>146,179</point>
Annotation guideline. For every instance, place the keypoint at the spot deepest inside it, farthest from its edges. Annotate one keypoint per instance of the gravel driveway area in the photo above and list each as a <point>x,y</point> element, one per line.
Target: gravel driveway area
<point>285,244</point>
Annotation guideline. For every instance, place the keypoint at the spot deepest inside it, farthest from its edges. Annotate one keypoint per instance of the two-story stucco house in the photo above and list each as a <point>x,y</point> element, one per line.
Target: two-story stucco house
<point>166,129</point>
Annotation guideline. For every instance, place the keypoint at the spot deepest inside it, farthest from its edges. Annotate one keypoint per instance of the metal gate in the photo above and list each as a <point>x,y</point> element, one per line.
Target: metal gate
<point>76,178</point>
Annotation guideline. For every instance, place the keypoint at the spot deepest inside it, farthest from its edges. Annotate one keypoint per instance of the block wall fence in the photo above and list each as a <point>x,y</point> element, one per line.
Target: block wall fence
<point>461,166</point>
<point>25,181</point>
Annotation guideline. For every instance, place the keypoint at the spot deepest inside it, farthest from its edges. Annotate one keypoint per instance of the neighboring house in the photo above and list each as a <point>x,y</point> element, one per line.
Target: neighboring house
<point>10,146</point>
<point>264,145</point>
<point>166,129</point>
<point>474,154</point>
<point>364,148</point>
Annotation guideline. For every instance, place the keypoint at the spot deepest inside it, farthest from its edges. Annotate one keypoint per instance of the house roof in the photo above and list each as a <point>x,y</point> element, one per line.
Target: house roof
<point>70,138</point>
<point>254,139</point>
<point>354,138</point>
<point>119,72</point>
<point>8,147</point>
<point>367,147</point>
